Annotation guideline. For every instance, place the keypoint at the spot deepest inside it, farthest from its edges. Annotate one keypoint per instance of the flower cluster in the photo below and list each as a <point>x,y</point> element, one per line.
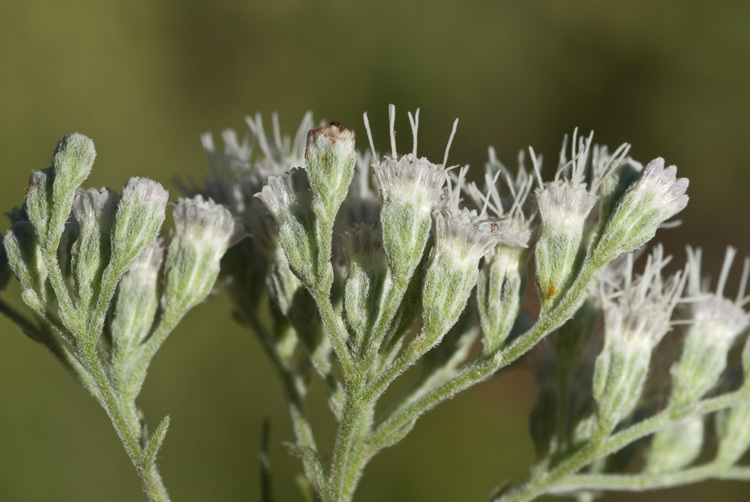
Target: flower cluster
<point>357,268</point>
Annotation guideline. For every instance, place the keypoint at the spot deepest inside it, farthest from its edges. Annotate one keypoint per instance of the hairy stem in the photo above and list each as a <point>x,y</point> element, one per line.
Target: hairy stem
<point>642,482</point>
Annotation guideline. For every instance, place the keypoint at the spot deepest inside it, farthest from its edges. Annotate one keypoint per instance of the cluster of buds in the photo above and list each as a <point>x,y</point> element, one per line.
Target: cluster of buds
<point>92,266</point>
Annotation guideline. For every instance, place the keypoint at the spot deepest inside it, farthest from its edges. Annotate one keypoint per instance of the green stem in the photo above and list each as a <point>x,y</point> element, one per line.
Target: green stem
<point>67,310</point>
<point>336,334</point>
<point>165,326</point>
<point>642,482</point>
<point>387,312</point>
<point>127,430</point>
<point>600,447</point>
<point>481,369</point>
<point>293,388</point>
<point>354,410</point>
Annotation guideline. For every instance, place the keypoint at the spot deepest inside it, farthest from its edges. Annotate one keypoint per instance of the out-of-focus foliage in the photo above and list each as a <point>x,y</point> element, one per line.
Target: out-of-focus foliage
<point>143,79</point>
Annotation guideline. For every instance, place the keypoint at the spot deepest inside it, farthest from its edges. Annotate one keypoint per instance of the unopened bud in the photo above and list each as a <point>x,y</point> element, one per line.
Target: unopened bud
<point>365,279</point>
<point>140,215</point>
<point>564,206</point>
<point>675,446</point>
<point>51,191</point>
<point>733,430</point>
<point>408,187</point>
<point>204,231</point>
<point>94,210</point>
<point>26,261</point>
<point>330,160</point>
<point>135,307</point>
<point>288,198</point>
<point>715,323</point>
<point>461,241</point>
<point>646,204</point>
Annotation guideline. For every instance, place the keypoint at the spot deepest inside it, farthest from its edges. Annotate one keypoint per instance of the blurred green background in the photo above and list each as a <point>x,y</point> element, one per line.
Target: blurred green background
<point>144,79</point>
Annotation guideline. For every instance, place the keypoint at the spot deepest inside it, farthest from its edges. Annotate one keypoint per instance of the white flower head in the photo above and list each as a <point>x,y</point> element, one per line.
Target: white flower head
<point>637,310</point>
<point>712,313</point>
<point>656,196</point>
<point>661,187</point>
<point>239,170</point>
<point>251,161</point>
<point>408,179</point>
<point>464,236</point>
<point>286,194</point>
<point>511,210</point>
<point>205,224</point>
<point>565,203</point>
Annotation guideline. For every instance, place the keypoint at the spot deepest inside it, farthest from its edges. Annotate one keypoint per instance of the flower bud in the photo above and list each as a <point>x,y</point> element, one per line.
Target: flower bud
<point>733,430</point>
<point>564,206</point>
<point>408,187</point>
<point>655,197</point>
<point>51,191</point>
<point>615,184</point>
<point>366,275</point>
<point>26,262</point>
<point>94,210</point>
<point>502,284</point>
<point>288,198</point>
<point>330,159</point>
<point>675,446</point>
<point>204,231</point>
<point>140,214</point>
<point>636,316</point>
<point>135,307</point>
<point>715,323</point>
<point>461,240</point>
<point>502,277</point>
<point>72,162</point>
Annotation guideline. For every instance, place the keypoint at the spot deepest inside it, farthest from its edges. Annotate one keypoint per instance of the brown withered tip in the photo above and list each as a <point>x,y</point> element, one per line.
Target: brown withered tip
<point>32,185</point>
<point>333,132</point>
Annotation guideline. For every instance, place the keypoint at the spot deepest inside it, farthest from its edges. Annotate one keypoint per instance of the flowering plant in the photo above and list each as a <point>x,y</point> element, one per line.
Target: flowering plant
<point>355,267</point>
